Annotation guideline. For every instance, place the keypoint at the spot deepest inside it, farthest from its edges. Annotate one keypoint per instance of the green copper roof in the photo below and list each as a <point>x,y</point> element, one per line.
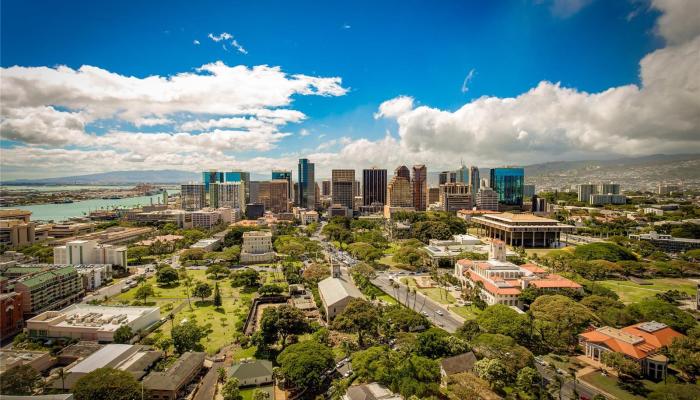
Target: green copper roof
<point>47,276</point>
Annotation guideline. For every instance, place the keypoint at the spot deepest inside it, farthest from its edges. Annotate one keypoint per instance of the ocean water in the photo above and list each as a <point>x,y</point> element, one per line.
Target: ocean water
<point>64,211</point>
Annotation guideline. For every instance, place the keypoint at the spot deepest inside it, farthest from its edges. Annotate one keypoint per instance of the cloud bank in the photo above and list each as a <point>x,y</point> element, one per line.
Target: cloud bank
<point>220,116</point>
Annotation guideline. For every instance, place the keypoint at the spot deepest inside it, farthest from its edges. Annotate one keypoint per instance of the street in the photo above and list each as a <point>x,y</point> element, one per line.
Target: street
<point>423,304</point>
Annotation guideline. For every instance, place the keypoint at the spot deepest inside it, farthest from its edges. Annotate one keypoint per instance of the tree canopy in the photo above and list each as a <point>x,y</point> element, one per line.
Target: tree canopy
<point>302,364</point>
<point>107,384</point>
<point>359,316</point>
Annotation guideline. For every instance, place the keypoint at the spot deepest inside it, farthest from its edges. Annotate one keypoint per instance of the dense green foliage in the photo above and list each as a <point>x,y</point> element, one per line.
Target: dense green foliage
<point>107,384</point>
<point>302,364</point>
<point>603,251</point>
<point>123,334</point>
<point>186,336</point>
<point>19,380</point>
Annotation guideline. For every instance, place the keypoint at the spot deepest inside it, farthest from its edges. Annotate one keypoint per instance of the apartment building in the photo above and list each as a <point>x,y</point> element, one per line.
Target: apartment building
<point>50,289</point>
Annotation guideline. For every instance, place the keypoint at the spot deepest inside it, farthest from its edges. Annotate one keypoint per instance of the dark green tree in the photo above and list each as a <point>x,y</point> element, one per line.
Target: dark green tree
<point>360,317</point>
<point>302,364</point>
<point>186,336</point>
<point>217,295</point>
<point>202,290</point>
<point>20,380</point>
<point>107,384</point>
<point>123,334</point>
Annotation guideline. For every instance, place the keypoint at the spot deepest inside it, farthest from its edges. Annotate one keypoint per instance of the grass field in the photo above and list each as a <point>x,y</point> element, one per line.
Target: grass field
<point>609,384</point>
<point>435,294</point>
<point>220,321</point>
<point>466,312</point>
<point>631,292</point>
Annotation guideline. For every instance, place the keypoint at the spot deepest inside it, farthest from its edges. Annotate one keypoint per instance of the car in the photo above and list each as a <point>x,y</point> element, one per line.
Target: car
<point>346,374</point>
<point>438,312</point>
<point>425,313</point>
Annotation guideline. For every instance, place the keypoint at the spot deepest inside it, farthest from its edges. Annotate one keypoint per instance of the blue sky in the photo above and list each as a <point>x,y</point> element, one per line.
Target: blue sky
<point>381,50</point>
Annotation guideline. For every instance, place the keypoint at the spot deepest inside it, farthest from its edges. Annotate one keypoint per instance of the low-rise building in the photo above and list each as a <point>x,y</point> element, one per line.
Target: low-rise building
<point>133,359</point>
<point>337,210</point>
<point>457,364</point>
<point>88,322</point>
<point>65,230</point>
<point>169,384</point>
<point>252,373</point>
<point>503,281</point>
<point>39,360</point>
<point>307,217</point>
<point>16,233</point>
<point>370,391</point>
<point>49,289</point>
<point>523,230</point>
<point>211,244</point>
<point>641,342</point>
<point>257,247</point>
<point>668,243</point>
<point>82,252</point>
<point>11,315</point>
<point>336,293</point>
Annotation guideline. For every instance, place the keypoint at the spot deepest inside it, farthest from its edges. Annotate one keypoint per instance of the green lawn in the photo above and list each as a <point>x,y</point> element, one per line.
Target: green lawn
<point>631,292</point>
<point>435,294</point>
<point>609,384</point>
<point>466,312</point>
<point>248,393</point>
<point>221,321</point>
<point>387,260</point>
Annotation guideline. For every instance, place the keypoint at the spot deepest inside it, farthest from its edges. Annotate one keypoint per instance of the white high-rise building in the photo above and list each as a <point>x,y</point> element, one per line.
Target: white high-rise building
<point>82,252</point>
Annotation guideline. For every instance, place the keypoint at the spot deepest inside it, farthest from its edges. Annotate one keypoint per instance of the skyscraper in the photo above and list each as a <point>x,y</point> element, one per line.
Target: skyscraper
<point>326,189</point>
<point>373,186</point>
<point>306,197</point>
<point>239,176</point>
<point>585,191</point>
<point>419,186</point>
<point>286,175</point>
<point>508,183</point>
<point>474,180</point>
<point>399,189</point>
<point>487,199</point>
<point>403,172</point>
<point>342,182</point>
<point>463,174</point>
<point>211,177</point>
<point>227,194</point>
<point>273,194</point>
<point>193,196</point>
<point>447,177</point>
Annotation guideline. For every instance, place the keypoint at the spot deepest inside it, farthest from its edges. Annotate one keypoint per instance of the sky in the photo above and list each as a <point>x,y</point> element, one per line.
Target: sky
<point>103,86</point>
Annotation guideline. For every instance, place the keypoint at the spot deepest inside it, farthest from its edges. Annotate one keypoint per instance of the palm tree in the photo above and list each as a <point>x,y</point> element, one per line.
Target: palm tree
<point>171,317</point>
<point>221,374</point>
<point>62,375</point>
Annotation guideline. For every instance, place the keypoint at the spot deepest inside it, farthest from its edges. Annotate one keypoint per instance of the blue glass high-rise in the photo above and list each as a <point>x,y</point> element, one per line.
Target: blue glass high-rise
<point>211,177</point>
<point>508,183</point>
<point>306,194</point>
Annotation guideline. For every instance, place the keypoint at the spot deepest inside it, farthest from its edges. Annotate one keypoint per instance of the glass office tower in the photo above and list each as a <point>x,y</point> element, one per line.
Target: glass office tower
<point>211,177</point>
<point>306,195</point>
<point>508,183</point>
<point>240,176</point>
<point>286,175</point>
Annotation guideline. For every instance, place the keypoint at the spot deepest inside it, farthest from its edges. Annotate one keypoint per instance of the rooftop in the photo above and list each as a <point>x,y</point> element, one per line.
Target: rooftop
<point>47,276</point>
<point>637,341</point>
<point>103,357</point>
<point>371,391</point>
<point>177,375</point>
<point>106,318</point>
<point>251,369</point>
<point>460,363</point>
<point>335,289</point>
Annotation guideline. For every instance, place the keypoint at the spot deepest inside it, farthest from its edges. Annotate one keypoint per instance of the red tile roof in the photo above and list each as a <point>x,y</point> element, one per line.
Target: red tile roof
<point>631,340</point>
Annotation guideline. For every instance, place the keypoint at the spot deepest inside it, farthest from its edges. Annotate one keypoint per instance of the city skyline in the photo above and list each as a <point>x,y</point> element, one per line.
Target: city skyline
<point>218,92</point>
